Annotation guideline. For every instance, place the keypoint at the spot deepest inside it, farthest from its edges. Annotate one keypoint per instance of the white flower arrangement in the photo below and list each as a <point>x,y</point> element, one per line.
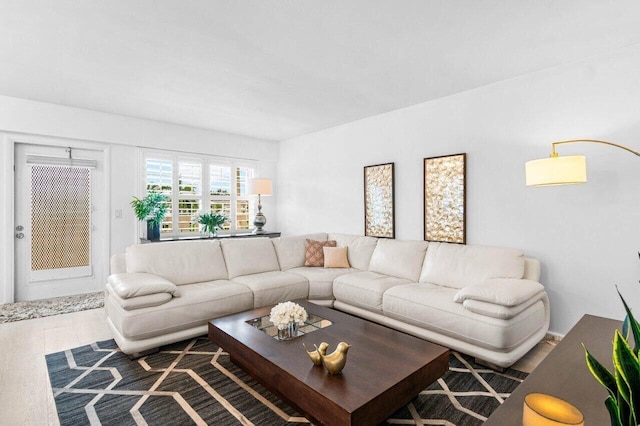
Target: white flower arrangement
<point>284,313</point>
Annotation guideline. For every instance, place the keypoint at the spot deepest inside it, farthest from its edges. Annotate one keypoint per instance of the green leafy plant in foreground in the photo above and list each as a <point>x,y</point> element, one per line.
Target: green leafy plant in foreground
<point>211,222</point>
<point>623,385</point>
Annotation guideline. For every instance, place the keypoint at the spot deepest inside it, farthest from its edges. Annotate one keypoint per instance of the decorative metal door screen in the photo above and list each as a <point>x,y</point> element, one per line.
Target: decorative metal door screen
<point>60,222</point>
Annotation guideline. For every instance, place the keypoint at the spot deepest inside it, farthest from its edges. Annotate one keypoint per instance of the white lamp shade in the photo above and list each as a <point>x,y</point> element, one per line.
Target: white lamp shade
<point>545,410</point>
<point>556,171</point>
<point>260,186</point>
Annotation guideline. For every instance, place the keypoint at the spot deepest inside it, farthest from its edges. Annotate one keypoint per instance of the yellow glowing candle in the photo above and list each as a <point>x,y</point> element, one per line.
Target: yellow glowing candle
<point>546,410</point>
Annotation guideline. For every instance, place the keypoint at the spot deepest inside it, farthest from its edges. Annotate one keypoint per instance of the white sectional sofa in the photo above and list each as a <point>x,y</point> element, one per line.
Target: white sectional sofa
<point>483,301</point>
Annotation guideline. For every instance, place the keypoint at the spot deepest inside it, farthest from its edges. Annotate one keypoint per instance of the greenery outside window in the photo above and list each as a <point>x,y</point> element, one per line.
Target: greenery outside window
<point>184,179</point>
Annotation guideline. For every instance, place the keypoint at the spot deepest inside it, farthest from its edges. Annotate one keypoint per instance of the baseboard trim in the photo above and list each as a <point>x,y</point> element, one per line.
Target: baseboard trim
<point>555,337</point>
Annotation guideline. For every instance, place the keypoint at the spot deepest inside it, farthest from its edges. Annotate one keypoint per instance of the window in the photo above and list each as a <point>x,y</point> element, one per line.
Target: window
<point>189,195</point>
<point>159,178</point>
<point>200,185</point>
<point>220,191</point>
<point>243,200</point>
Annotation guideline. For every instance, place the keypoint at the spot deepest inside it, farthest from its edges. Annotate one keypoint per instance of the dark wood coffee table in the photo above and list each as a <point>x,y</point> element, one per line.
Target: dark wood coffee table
<point>384,371</point>
<point>564,374</point>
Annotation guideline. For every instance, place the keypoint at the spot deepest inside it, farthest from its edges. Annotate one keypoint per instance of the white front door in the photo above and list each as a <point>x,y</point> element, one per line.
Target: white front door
<point>59,222</point>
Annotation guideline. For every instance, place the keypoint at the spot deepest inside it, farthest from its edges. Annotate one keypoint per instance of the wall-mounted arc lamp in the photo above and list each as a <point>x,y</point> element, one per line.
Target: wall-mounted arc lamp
<point>567,170</point>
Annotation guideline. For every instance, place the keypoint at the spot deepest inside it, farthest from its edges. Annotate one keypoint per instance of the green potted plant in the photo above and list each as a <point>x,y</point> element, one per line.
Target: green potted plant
<point>623,384</point>
<point>210,222</point>
<point>153,209</point>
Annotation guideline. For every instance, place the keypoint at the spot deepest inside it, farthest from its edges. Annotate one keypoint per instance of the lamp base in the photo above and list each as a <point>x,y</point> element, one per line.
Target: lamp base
<point>259,222</point>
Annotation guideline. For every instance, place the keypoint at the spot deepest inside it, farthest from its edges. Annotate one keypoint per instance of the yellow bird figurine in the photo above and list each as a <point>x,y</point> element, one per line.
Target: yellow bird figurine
<point>316,356</point>
<point>336,360</point>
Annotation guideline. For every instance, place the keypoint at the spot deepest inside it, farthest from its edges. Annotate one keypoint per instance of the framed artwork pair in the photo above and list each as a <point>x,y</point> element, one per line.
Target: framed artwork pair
<point>444,199</point>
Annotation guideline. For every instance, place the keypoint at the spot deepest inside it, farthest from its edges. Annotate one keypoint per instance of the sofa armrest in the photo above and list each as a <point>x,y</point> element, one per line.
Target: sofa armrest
<point>134,284</point>
<point>501,291</point>
<point>499,311</point>
<point>138,302</point>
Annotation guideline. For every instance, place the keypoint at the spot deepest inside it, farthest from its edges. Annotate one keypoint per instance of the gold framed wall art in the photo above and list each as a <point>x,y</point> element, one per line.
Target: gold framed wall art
<point>379,202</point>
<point>445,199</point>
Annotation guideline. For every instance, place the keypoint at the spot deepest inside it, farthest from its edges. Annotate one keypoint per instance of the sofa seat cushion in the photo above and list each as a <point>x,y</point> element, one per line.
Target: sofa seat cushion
<point>459,266</point>
<point>432,307</point>
<point>321,280</point>
<point>505,292</point>
<point>291,250</point>
<point>364,289</point>
<point>402,259</point>
<point>274,287</point>
<point>359,250</point>
<point>139,302</point>
<point>197,304</point>
<point>181,262</point>
<point>135,284</point>
<point>246,256</point>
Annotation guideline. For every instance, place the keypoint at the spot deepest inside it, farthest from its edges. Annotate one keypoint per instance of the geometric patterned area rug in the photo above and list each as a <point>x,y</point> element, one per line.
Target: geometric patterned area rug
<point>18,311</point>
<point>194,382</point>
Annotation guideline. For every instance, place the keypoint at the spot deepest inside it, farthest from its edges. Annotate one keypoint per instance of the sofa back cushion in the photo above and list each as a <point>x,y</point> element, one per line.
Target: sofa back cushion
<point>531,269</point>
<point>290,250</point>
<point>402,259</point>
<point>459,266</point>
<point>118,263</point>
<point>359,250</point>
<point>247,256</point>
<point>181,262</point>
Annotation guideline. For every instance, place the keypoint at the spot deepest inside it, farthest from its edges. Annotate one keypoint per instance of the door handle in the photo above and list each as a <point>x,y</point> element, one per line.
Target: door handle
<point>19,235</point>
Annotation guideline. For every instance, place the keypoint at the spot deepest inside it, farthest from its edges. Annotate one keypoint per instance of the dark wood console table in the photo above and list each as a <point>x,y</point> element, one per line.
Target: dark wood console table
<point>564,374</point>
<point>217,237</point>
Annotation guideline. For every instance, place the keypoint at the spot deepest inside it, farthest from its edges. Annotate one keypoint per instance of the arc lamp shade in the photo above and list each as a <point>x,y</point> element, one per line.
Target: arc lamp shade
<point>550,171</point>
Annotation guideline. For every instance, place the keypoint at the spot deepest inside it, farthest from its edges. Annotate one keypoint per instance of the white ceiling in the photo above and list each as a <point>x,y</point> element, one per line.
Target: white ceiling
<point>276,69</point>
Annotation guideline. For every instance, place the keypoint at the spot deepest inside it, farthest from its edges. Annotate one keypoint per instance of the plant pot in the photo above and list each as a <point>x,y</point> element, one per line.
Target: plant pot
<point>153,231</point>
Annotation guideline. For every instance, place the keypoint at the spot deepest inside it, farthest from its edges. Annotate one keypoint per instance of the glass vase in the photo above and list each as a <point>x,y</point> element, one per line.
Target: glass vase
<point>289,332</point>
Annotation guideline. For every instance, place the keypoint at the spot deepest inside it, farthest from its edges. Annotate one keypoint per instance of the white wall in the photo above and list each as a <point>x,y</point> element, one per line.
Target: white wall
<point>41,123</point>
<point>586,236</point>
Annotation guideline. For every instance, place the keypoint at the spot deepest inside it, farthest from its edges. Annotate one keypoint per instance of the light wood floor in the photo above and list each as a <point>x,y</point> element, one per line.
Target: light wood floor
<point>25,392</point>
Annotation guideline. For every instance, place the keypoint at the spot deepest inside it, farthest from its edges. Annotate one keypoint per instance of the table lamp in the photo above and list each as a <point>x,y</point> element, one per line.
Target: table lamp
<point>259,187</point>
<point>545,410</point>
<point>568,170</point>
